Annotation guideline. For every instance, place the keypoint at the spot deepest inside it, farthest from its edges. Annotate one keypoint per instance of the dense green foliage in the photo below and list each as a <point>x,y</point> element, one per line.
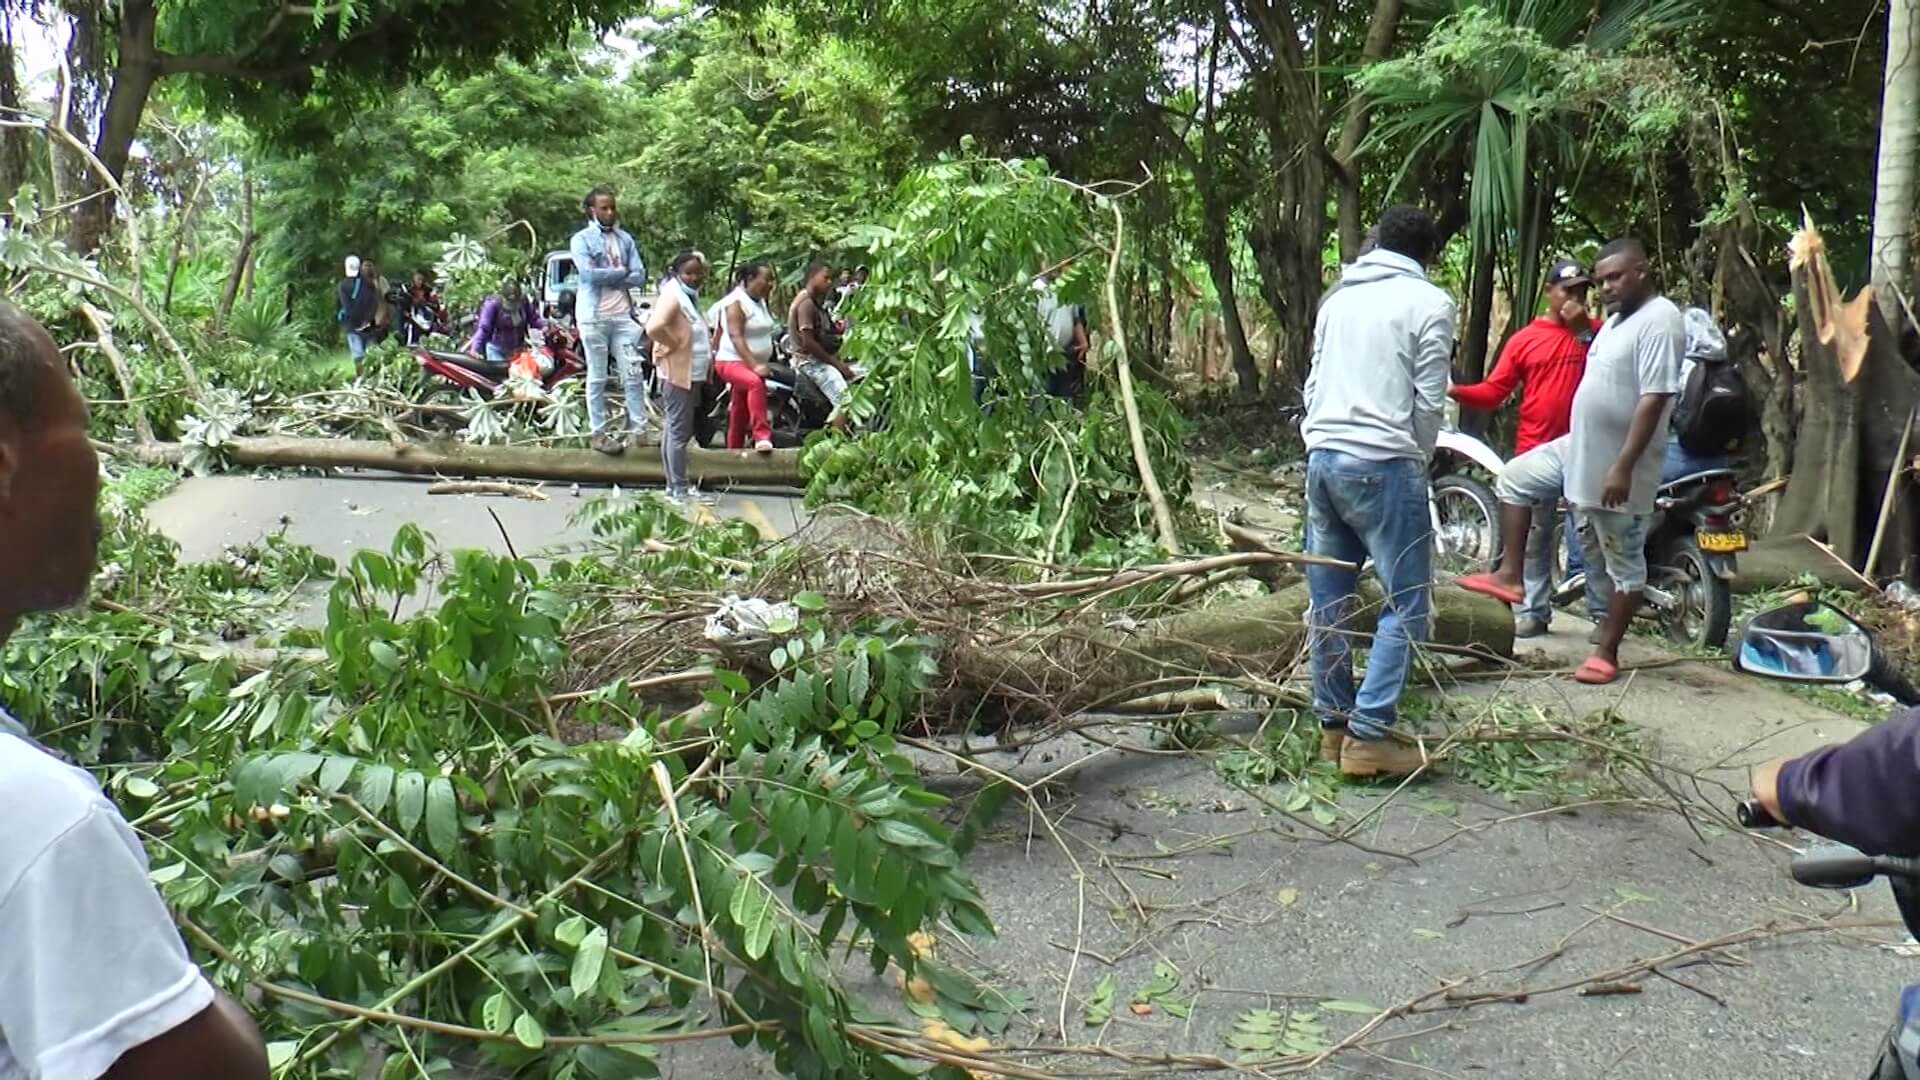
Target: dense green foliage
<point>1026,472</point>
<point>745,141</point>
<point>390,824</point>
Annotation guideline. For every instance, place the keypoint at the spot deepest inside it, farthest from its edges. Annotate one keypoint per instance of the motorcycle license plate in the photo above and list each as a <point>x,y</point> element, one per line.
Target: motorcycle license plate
<point>1721,542</point>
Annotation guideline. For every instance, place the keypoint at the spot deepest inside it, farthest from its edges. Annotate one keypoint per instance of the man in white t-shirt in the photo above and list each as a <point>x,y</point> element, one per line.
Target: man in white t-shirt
<point>94,980</point>
<point>1608,464</point>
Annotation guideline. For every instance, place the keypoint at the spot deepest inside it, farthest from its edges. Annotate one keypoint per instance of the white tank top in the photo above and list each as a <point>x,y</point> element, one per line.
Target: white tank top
<point>759,329</point>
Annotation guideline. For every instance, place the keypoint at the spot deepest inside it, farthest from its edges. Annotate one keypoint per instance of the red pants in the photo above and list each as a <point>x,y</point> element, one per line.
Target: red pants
<point>746,405</point>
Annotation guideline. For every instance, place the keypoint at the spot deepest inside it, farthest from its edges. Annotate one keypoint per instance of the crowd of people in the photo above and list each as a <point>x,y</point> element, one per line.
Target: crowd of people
<point>731,342</point>
<point>1597,394</point>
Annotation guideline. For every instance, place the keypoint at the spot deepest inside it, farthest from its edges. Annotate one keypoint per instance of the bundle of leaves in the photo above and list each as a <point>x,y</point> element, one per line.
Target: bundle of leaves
<point>391,837</point>
<point>954,283</point>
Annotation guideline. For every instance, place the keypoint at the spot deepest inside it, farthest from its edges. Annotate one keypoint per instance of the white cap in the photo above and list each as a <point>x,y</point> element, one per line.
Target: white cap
<point>353,266</point>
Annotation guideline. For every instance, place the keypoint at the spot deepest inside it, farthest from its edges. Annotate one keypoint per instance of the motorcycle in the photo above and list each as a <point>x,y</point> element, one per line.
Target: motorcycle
<point>1812,642</point>
<point>1697,531</point>
<point>556,359</point>
<point>1464,512</point>
<point>796,407</point>
<point>414,323</point>
<point>1466,515</point>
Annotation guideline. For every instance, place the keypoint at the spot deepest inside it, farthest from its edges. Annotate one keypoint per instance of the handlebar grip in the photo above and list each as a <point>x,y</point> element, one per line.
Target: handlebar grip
<point>1753,815</point>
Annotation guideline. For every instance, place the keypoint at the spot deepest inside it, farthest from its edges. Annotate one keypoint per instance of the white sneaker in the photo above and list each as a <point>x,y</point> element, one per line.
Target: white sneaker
<point>764,446</point>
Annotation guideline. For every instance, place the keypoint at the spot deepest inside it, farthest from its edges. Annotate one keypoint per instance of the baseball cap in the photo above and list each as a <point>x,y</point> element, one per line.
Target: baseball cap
<point>1567,272</point>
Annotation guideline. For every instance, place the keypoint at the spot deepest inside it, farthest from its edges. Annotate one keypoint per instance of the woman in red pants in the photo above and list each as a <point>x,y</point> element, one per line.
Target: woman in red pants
<point>744,333</point>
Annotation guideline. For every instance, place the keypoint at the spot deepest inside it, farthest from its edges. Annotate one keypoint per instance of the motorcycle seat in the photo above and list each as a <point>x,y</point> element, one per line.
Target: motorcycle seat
<point>1694,478</point>
<point>479,367</point>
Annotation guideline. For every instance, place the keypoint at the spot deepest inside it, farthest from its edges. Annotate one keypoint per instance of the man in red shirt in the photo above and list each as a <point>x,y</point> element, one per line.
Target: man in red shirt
<point>1546,359</point>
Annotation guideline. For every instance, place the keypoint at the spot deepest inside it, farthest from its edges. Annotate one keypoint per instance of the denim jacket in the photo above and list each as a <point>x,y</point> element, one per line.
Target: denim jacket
<point>589,249</point>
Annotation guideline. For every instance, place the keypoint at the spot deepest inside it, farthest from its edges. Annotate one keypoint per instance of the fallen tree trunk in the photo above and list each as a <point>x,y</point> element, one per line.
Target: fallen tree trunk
<point>1055,671</point>
<point>640,466</point>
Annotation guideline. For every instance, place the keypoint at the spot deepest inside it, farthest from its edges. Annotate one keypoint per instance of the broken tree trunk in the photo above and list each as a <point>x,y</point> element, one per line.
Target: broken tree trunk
<point>1859,393</point>
<point>1040,674</point>
<point>780,468</point>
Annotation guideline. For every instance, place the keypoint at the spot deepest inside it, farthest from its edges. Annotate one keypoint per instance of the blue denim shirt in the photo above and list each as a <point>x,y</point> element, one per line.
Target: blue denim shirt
<point>589,249</point>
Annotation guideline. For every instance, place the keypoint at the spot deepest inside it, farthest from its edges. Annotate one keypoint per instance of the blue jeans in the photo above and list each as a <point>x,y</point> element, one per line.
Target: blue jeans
<point>1679,463</point>
<point>604,341</point>
<point>496,354</point>
<point>1359,509</point>
<point>357,345</point>
<point>1538,569</point>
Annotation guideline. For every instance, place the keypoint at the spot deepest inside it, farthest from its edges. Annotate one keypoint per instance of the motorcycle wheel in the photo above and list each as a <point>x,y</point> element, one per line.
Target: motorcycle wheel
<point>1466,536</point>
<point>1703,602</point>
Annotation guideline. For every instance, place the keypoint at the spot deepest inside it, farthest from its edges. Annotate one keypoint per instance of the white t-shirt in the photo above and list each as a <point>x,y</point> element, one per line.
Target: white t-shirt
<point>1632,356</point>
<point>91,964</point>
<point>760,326</point>
<point>1060,318</point>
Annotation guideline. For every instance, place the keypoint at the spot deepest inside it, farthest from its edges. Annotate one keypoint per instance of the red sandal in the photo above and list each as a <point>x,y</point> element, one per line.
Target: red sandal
<point>1596,672</point>
<point>1485,585</point>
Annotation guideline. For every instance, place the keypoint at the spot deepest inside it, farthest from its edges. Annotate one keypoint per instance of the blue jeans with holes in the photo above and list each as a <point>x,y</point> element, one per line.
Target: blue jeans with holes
<point>1359,509</point>
<point>610,342</point>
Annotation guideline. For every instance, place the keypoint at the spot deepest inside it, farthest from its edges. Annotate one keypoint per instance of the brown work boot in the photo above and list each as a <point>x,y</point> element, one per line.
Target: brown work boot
<point>1381,757</point>
<point>607,443</point>
<point>1332,738</point>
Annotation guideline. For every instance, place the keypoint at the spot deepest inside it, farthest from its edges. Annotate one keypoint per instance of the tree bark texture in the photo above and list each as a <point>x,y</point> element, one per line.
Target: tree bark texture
<point>1859,394</point>
<point>780,468</point>
<point>1894,178</point>
<point>1381,28</point>
<point>15,147</point>
<point>1034,676</point>
<point>242,256</point>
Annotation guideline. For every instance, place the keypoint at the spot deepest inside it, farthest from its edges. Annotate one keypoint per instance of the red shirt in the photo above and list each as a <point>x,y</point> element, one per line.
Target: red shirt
<point>1549,360</point>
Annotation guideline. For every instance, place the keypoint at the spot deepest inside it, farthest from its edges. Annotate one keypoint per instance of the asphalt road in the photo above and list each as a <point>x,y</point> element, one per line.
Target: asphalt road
<point>1170,864</point>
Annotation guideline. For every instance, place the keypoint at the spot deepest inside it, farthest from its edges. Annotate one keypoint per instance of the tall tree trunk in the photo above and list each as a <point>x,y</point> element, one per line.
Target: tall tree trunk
<point>1220,267</point>
<point>136,69</point>
<point>1381,29</point>
<point>15,153</point>
<point>1893,197</point>
<point>242,258</point>
<point>1473,343</point>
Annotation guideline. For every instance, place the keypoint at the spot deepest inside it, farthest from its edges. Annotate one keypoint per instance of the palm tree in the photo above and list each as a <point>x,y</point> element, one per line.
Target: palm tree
<point>1491,85</point>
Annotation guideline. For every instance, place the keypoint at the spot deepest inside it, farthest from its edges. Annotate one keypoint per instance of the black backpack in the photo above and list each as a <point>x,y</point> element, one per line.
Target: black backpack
<point>1711,416</point>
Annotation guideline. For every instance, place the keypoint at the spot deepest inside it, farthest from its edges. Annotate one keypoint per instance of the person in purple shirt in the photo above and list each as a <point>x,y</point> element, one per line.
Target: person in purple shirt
<point>503,324</point>
<point>1860,792</point>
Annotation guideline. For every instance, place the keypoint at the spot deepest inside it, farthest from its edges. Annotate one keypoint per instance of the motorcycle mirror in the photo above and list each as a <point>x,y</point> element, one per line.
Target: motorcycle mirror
<point>1832,866</point>
<point>1808,642</point>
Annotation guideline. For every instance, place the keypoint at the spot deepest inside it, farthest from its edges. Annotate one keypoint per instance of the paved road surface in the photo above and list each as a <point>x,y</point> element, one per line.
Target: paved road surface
<point>340,515</point>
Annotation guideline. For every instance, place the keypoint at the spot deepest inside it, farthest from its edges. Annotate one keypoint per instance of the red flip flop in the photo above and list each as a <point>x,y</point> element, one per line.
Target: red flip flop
<point>1596,672</point>
<point>1486,586</point>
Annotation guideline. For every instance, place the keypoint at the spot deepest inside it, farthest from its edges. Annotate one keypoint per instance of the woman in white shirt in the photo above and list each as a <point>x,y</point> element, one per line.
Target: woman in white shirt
<point>743,335</point>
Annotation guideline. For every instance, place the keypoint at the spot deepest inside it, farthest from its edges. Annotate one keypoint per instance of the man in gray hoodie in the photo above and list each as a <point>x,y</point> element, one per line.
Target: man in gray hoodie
<point>1374,398</point>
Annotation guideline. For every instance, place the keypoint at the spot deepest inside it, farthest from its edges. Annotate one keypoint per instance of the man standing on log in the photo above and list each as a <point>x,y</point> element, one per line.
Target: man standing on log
<point>1609,463</point>
<point>94,981</point>
<point>1545,359</point>
<point>1374,397</point>
<point>609,264</point>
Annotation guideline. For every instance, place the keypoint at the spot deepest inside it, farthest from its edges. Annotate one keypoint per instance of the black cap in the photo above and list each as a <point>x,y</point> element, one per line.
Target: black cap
<point>1567,272</point>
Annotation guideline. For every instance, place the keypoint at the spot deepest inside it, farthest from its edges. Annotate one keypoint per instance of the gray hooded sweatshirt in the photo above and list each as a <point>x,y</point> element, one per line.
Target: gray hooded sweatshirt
<point>1381,348</point>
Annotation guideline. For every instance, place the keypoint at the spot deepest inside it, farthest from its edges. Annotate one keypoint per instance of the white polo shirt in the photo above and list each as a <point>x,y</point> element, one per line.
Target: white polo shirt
<point>91,964</point>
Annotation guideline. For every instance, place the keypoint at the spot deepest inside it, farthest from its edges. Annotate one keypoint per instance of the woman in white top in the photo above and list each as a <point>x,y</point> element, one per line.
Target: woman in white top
<point>743,339</point>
